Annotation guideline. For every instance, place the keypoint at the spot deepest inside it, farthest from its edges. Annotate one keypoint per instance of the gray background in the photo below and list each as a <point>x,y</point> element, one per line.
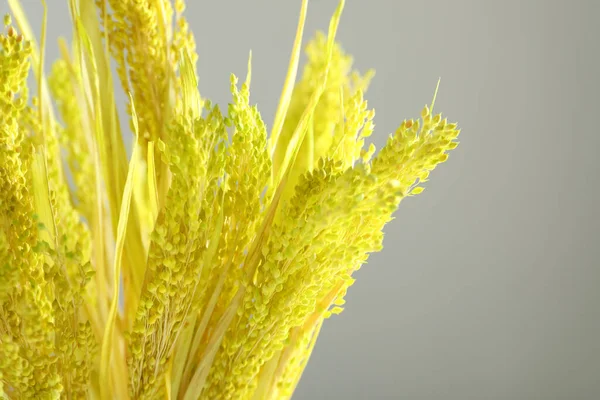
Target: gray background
<point>488,284</point>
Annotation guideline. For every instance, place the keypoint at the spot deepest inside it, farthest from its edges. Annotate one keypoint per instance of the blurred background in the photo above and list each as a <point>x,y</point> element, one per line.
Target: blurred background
<point>489,283</point>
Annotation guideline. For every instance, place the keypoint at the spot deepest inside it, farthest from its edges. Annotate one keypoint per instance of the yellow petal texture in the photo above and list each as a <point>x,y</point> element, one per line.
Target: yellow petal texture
<point>205,264</point>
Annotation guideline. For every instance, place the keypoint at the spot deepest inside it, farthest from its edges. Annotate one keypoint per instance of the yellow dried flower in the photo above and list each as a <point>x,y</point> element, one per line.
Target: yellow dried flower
<point>205,265</point>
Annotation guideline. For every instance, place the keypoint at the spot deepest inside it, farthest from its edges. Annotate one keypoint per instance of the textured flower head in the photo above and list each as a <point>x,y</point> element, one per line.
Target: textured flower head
<point>203,265</point>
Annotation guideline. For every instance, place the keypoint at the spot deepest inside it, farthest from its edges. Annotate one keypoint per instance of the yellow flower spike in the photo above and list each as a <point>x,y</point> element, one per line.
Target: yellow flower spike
<point>206,265</point>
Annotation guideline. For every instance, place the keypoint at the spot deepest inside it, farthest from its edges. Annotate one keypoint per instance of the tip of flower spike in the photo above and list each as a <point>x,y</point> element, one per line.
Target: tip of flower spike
<point>417,190</point>
<point>179,6</point>
<point>7,20</point>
